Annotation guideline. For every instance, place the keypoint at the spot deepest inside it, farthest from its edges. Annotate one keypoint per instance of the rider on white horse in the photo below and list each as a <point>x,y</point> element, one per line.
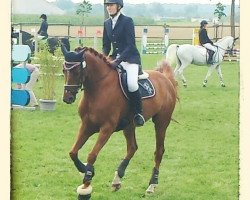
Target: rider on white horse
<point>205,41</point>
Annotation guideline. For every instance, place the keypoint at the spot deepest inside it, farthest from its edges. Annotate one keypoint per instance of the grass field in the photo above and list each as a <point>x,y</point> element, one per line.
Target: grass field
<point>201,161</point>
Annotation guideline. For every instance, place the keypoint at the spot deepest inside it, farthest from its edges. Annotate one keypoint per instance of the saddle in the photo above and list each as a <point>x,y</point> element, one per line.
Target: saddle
<point>146,87</point>
<point>210,58</point>
<point>209,54</point>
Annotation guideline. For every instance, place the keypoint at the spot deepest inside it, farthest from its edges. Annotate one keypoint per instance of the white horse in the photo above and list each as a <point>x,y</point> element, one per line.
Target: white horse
<point>186,54</point>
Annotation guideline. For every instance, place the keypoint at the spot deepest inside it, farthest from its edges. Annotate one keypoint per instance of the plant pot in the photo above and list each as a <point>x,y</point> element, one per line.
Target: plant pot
<point>47,105</point>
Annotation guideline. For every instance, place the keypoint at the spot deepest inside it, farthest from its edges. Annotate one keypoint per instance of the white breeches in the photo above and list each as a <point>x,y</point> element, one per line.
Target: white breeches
<point>132,75</point>
<point>210,47</point>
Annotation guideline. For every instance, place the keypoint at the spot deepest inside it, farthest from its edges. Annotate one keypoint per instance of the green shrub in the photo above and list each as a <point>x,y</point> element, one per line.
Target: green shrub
<point>50,65</point>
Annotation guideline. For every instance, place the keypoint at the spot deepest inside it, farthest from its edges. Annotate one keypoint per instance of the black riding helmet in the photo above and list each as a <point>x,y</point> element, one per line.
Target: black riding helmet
<point>203,22</point>
<point>119,2</point>
<point>43,16</point>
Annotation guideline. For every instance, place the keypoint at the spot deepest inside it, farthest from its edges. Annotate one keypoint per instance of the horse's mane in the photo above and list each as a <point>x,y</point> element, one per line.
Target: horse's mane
<point>96,53</point>
<point>220,40</point>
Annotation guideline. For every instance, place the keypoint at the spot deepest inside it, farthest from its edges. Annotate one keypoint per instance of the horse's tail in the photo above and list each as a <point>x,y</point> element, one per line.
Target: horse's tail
<point>171,55</point>
<point>165,68</point>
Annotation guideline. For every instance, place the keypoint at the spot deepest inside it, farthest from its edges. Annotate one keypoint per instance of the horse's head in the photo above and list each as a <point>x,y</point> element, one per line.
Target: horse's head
<point>73,70</point>
<point>83,67</point>
<point>227,44</point>
<point>231,44</point>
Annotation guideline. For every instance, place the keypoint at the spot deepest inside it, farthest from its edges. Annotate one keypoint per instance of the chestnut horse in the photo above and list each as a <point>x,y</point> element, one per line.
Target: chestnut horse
<point>103,108</point>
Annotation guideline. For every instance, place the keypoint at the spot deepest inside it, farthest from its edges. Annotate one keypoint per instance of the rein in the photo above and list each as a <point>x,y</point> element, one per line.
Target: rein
<point>75,88</point>
<point>229,50</point>
<point>226,50</point>
<point>104,76</point>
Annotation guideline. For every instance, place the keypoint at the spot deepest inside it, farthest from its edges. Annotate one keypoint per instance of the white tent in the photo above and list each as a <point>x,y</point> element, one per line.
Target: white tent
<point>35,7</point>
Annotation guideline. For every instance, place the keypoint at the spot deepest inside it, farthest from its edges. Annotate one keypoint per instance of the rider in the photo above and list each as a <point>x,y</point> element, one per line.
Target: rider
<point>44,27</point>
<point>120,32</point>
<point>205,41</point>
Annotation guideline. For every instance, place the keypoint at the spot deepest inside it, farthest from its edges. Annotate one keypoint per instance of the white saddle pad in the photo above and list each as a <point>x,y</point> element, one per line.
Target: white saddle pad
<point>202,50</point>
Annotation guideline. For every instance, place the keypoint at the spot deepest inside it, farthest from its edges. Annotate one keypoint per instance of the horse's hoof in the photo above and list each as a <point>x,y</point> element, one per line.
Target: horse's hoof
<point>185,86</point>
<point>116,187</point>
<point>223,85</point>
<point>204,85</point>
<point>151,188</point>
<point>116,183</point>
<point>84,191</point>
<point>84,197</point>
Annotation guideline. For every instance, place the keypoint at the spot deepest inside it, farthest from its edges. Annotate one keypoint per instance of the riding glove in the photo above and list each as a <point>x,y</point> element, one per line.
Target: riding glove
<point>114,64</point>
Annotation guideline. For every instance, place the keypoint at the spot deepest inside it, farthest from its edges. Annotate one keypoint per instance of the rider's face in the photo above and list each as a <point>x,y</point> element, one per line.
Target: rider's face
<point>205,25</point>
<point>112,9</point>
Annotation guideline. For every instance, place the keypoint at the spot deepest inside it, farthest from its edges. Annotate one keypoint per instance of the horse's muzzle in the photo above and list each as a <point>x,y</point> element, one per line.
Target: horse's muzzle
<point>69,98</point>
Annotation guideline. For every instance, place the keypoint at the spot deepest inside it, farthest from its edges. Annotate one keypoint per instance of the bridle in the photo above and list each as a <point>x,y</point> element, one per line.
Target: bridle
<point>74,88</point>
<point>230,51</point>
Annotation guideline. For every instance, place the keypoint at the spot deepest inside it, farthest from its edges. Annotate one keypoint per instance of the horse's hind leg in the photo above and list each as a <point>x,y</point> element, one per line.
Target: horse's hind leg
<point>129,134</point>
<point>161,122</point>
<point>179,72</point>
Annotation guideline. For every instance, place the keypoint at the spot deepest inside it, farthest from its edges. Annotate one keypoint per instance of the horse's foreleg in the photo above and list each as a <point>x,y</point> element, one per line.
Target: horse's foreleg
<point>82,137</point>
<point>218,69</point>
<point>129,134</point>
<point>160,132</point>
<point>104,135</point>
<point>209,72</point>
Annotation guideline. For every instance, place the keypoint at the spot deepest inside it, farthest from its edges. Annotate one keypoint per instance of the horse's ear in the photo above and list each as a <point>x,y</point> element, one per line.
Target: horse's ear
<point>236,38</point>
<point>64,50</point>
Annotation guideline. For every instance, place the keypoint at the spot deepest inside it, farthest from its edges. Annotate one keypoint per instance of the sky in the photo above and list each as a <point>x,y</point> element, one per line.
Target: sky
<point>224,2</point>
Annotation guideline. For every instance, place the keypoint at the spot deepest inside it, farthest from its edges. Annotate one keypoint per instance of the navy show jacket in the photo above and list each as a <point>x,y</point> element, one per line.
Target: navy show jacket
<point>122,38</point>
<point>43,28</point>
<point>203,37</point>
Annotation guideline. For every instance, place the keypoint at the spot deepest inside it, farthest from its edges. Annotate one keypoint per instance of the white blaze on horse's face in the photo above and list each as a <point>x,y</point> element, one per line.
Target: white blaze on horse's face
<point>84,64</point>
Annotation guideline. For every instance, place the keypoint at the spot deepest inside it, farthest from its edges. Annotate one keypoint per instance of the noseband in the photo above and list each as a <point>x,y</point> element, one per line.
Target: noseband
<point>68,66</point>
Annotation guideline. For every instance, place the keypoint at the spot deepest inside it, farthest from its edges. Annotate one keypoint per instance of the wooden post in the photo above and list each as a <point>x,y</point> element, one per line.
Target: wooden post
<point>33,30</point>
<point>20,38</point>
<point>144,40</point>
<point>68,30</point>
<point>216,33</point>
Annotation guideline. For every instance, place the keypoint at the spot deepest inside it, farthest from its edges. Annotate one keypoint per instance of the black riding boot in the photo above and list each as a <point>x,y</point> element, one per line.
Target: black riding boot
<point>210,58</point>
<point>136,103</point>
